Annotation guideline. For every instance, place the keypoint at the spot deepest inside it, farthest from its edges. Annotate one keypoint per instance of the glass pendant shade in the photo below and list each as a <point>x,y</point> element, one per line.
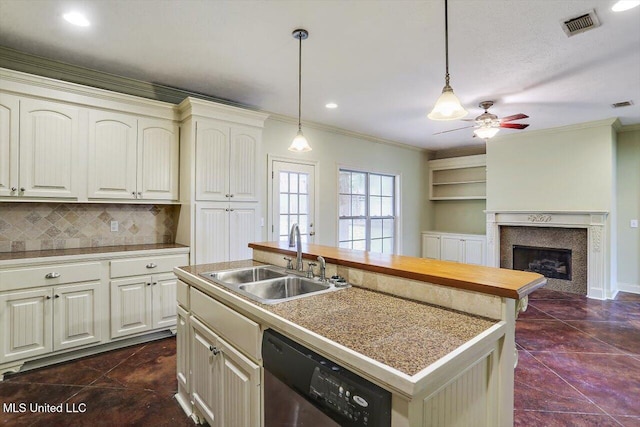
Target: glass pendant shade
<point>447,106</point>
<point>486,133</point>
<point>300,143</point>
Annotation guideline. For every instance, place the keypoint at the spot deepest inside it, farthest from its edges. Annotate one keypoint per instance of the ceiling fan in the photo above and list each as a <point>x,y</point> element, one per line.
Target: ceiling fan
<point>487,125</point>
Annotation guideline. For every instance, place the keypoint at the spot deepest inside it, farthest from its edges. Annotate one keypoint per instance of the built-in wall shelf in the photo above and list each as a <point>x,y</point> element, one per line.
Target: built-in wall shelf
<point>458,178</point>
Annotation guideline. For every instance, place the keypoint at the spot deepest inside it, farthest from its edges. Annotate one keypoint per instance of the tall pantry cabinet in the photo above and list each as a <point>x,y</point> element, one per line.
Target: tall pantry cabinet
<point>220,167</point>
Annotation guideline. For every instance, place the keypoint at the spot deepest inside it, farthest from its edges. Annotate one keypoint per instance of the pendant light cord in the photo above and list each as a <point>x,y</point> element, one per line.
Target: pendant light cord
<point>446,44</point>
<point>300,83</point>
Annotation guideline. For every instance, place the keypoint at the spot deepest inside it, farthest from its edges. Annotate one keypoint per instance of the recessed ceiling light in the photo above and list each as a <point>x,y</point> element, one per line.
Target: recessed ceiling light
<point>76,18</point>
<point>331,105</point>
<point>622,5</point>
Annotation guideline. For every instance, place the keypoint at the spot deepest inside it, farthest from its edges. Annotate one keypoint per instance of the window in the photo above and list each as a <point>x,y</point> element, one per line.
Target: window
<point>367,217</point>
<point>294,203</point>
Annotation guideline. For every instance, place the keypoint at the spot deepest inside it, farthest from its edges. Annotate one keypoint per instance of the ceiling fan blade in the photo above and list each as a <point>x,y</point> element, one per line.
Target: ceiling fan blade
<point>513,125</point>
<point>452,130</point>
<point>514,117</point>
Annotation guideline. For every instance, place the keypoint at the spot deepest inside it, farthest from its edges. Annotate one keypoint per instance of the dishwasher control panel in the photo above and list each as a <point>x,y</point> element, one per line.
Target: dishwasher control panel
<point>340,396</point>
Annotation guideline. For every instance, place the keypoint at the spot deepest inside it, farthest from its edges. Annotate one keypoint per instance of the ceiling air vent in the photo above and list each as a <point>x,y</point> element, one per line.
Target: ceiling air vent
<point>622,104</point>
<point>581,23</point>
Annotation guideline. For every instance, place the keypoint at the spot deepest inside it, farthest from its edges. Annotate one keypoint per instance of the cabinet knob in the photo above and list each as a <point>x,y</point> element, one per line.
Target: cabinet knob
<point>48,297</point>
<point>22,189</point>
<point>53,275</point>
<point>154,283</point>
<point>230,195</point>
<point>227,195</point>
<point>133,193</point>
<point>214,350</point>
<point>140,194</point>
<point>152,265</point>
<point>148,283</point>
<point>56,296</point>
<point>13,189</point>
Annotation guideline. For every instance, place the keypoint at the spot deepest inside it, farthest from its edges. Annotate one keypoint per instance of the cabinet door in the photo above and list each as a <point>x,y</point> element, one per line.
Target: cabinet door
<point>49,138</point>
<point>130,306</point>
<point>243,229</point>
<point>112,155</point>
<point>212,233</point>
<point>205,385</point>
<point>430,246</point>
<point>451,248</point>
<point>182,351</point>
<point>164,300</point>
<point>240,386</point>
<point>212,160</point>
<point>25,320</point>
<point>158,148</point>
<point>474,250</point>
<point>75,315</point>
<point>9,122</point>
<point>245,144</point>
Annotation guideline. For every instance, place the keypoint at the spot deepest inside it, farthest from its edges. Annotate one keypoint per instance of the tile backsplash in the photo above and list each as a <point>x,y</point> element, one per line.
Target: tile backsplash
<point>41,226</point>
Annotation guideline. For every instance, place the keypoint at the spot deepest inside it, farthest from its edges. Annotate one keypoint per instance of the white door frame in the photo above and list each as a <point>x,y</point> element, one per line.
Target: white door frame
<point>316,196</point>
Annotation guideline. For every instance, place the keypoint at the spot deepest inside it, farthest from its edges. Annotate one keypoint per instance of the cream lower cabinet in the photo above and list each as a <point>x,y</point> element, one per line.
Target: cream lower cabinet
<point>39,321</point>
<point>225,384</point>
<point>143,294</point>
<point>140,304</point>
<point>465,248</point>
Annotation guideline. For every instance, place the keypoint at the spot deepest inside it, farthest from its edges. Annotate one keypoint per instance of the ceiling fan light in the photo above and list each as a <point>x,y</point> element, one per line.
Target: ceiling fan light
<point>447,106</point>
<point>300,143</point>
<point>623,5</point>
<point>486,132</point>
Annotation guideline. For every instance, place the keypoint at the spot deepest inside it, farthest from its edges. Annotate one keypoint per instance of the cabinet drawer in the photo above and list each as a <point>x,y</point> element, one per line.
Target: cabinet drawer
<point>182,294</point>
<point>55,274</point>
<point>147,265</point>
<point>240,331</point>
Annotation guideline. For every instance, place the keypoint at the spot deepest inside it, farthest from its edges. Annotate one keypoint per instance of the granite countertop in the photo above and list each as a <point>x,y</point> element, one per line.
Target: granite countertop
<point>9,256</point>
<point>403,334</point>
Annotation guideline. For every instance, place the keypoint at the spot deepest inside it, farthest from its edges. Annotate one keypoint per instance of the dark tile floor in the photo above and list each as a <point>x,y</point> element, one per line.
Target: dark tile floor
<point>579,361</point>
<point>579,365</point>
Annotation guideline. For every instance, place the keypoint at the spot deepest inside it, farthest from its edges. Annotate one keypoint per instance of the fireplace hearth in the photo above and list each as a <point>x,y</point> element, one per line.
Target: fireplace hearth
<point>550,262</point>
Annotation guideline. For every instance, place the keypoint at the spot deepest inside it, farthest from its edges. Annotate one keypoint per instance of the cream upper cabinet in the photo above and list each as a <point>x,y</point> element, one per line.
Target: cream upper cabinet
<point>158,159</point>
<point>112,151</point>
<point>226,157</point>
<point>49,149</point>
<point>465,248</point>
<point>9,122</point>
<point>132,158</point>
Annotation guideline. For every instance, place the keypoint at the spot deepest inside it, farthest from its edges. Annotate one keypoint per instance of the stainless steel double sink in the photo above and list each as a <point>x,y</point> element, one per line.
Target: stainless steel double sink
<point>269,284</point>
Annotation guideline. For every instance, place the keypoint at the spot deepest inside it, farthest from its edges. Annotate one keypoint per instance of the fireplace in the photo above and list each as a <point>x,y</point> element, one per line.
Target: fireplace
<point>550,262</point>
<point>584,234</point>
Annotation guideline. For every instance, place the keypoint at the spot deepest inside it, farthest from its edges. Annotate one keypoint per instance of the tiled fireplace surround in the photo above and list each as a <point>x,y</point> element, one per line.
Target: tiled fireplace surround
<point>598,244</point>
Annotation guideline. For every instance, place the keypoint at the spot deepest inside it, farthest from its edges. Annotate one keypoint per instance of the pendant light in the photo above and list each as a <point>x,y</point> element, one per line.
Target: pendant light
<point>300,143</point>
<point>447,106</point>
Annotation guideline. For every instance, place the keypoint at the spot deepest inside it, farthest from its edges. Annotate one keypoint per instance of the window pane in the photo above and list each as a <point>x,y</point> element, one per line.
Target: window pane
<point>387,186</point>
<point>346,245</point>
<point>304,204</point>
<point>374,206</point>
<point>284,203</point>
<point>387,228</point>
<point>358,206</point>
<point>284,182</point>
<point>376,245</point>
<point>293,183</point>
<point>387,246</point>
<point>360,245</point>
<point>345,205</point>
<point>375,185</point>
<point>293,203</point>
<point>284,225</point>
<point>387,206</point>
<point>358,181</point>
<point>345,182</point>
<point>302,188</point>
<point>359,229</point>
<point>376,229</point>
<point>303,221</point>
<point>344,226</point>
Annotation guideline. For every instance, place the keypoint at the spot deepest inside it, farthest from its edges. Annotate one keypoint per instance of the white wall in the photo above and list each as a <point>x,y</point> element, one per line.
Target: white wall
<point>628,202</point>
<point>332,149</point>
<point>561,169</point>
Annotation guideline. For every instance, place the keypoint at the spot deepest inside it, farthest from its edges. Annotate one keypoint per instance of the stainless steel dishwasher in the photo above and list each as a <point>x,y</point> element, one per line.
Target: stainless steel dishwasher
<point>304,389</point>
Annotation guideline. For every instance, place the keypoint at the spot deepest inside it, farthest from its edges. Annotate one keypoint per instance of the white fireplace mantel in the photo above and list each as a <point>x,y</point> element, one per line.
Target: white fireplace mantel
<point>598,243</point>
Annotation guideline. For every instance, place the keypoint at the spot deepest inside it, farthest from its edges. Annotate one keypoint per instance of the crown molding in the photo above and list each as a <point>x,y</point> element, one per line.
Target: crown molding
<point>612,122</point>
<point>629,128</point>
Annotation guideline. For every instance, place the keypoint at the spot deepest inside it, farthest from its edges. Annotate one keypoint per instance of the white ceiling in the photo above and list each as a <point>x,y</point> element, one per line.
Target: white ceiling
<point>381,61</point>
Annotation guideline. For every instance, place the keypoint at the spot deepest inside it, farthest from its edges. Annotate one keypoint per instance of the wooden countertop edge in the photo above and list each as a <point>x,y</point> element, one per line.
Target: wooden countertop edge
<point>438,280</point>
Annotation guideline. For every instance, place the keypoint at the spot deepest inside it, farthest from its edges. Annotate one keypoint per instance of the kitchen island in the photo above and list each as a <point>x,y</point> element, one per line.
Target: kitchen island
<point>435,334</point>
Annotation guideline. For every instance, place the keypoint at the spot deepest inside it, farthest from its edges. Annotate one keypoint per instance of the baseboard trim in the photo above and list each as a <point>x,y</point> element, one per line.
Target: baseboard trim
<point>633,288</point>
